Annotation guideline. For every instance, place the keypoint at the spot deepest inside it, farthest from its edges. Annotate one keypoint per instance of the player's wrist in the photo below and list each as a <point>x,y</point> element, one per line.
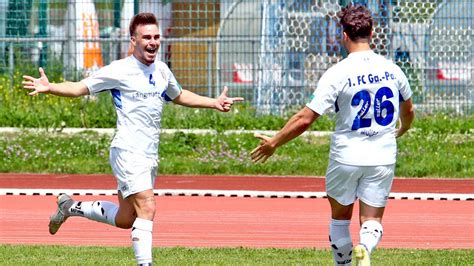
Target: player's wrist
<point>273,144</point>
<point>404,128</point>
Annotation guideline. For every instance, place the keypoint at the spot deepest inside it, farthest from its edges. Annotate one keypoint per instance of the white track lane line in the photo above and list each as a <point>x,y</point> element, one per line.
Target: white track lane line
<point>225,193</point>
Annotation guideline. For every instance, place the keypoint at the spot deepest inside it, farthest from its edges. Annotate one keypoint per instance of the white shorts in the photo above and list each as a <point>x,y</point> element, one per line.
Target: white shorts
<point>134,172</point>
<point>371,184</point>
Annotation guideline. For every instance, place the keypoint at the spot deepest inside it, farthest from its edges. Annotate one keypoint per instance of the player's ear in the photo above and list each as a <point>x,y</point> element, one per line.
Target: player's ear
<point>345,37</point>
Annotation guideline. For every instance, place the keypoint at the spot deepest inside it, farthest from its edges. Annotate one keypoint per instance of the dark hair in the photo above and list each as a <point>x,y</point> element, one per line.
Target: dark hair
<point>142,19</point>
<point>356,22</point>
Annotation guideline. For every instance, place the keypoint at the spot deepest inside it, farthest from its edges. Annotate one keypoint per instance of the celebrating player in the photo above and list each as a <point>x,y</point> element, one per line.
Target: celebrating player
<point>139,86</point>
<point>369,95</point>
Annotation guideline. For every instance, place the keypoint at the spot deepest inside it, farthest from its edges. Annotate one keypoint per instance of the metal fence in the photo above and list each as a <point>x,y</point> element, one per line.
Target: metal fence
<point>272,52</point>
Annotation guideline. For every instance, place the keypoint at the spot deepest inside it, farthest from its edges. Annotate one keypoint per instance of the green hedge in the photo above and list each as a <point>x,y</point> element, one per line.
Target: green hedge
<point>18,109</point>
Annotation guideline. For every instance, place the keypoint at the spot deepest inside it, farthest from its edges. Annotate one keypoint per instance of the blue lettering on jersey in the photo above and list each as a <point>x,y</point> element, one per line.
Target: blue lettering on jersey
<point>373,78</point>
<point>381,105</point>
<point>383,109</point>
<point>370,79</point>
<point>360,120</point>
<point>151,80</point>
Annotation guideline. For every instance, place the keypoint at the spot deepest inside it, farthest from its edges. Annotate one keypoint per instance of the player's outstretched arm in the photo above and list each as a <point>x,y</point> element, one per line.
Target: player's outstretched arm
<point>298,124</point>
<point>222,103</point>
<point>42,85</point>
<point>407,115</point>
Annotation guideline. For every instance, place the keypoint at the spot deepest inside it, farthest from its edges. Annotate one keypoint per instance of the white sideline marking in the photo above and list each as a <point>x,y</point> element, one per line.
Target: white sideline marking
<point>225,193</point>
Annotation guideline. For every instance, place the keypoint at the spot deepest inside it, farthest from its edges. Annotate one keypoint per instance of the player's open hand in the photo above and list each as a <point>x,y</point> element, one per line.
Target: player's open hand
<point>224,103</point>
<point>37,85</point>
<point>264,150</point>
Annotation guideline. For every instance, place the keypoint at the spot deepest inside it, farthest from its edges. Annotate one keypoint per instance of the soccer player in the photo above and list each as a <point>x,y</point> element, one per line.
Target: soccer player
<point>369,95</point>
<point>139,86</point>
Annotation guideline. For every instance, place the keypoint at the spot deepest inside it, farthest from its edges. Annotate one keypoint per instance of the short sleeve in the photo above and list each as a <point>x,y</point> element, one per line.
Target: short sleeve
<point>104,79</point>
<point>404,86</point>
<point>325,95</point>
<point>174,89</point>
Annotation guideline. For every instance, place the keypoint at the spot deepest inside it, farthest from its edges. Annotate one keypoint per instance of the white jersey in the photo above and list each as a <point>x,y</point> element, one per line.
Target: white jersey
<point>139,92</point>
<point>365,90</point>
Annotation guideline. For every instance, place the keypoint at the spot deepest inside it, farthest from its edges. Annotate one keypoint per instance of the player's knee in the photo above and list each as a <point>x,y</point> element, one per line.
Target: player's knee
<point>339,211</point>
<point>146,208</point>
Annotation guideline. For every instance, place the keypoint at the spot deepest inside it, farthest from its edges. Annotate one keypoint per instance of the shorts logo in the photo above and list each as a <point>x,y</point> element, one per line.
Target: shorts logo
<point>124,188</point>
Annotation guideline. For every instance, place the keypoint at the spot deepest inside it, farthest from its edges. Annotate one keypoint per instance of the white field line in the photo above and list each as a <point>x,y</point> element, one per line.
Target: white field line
<point>111,131</point>
<point>225,193</point>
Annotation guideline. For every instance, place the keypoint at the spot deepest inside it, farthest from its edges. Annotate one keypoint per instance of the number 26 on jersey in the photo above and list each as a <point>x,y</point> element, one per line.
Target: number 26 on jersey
<point>383,108</point>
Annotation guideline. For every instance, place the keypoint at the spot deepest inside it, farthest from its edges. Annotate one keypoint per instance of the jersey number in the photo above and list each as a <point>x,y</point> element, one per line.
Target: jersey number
<point>380,104</point>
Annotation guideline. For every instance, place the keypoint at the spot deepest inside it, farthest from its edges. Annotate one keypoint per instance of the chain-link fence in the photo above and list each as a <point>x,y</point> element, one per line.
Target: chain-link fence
<point>272,52</point>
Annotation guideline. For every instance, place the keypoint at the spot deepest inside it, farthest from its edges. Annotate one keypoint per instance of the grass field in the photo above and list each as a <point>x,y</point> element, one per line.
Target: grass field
<point>438,146</point>
<point>59,255</point>
<point>421,154</point>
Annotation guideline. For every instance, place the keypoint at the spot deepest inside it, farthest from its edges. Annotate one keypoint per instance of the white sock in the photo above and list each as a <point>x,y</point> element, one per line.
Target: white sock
<point>100,211</point>
<point>370,234</point>
<point>341,241</point>
<point>142,240</point>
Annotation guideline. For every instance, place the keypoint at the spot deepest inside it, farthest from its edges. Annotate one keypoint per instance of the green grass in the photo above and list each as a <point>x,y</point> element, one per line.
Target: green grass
<point>421,154</point>
<point>61,255</point>
<point>440,145</point>
<point>440,155</point>
<point>17,109</point>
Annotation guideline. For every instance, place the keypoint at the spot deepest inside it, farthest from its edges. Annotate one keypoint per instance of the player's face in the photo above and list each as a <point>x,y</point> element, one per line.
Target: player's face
<point>146,42</point>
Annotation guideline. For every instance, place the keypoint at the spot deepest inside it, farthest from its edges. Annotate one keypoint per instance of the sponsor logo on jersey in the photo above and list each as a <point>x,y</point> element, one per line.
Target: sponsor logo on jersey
<point>146,95</point>
<point>369,133</point>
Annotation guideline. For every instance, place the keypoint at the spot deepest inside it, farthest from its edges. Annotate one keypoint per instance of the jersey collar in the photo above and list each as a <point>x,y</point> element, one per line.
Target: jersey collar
<point>360,54</point>
<point>140,64</point>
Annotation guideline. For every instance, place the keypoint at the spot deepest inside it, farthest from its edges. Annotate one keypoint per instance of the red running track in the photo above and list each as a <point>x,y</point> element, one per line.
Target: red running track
<point>233,222</point>
<point>263,183</point>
